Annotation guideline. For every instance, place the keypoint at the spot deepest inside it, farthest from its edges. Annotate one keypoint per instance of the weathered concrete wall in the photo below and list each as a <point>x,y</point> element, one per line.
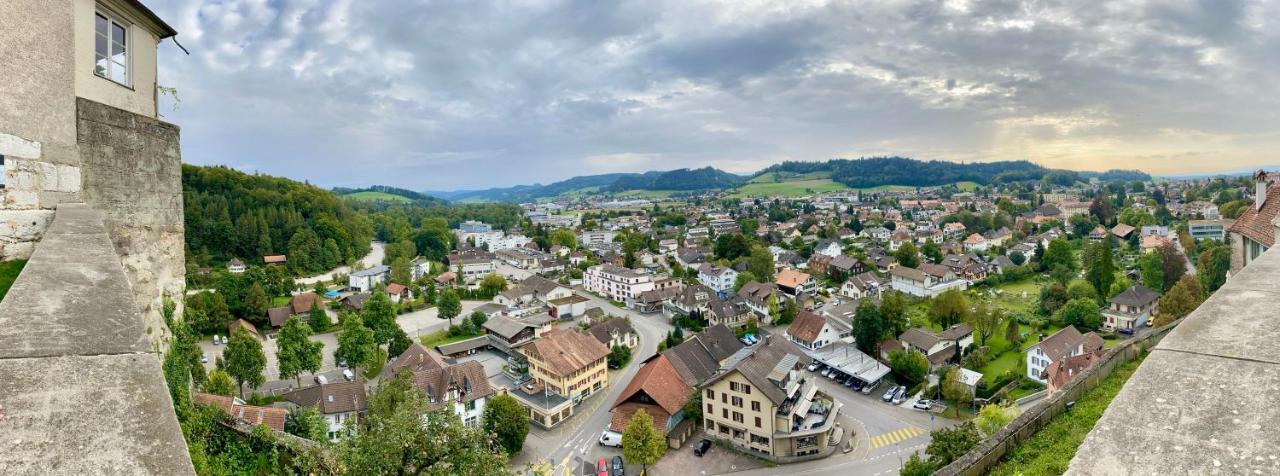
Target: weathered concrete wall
<point>81,388</point>
<point>132,168</point>
<point>37,120</point>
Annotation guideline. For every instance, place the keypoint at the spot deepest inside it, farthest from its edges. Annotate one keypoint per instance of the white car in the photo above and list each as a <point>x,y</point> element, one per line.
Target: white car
<point>922,404</point>
<point>348,374</point>
<point>611,438</point>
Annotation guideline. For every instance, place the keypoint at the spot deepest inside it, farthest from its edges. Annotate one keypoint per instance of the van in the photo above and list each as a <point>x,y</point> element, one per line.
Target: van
<point>611,438</point>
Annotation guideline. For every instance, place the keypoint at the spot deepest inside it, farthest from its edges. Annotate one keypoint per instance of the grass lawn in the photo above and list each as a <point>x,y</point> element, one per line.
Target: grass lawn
<point>377,197</point>
<point>9,273</point>
<point>1051,449</point>
<point>281,301</point>
<point>440,337</point>
<point>796,188</point>
<point>1010,296</point>
<point>1007,362</point>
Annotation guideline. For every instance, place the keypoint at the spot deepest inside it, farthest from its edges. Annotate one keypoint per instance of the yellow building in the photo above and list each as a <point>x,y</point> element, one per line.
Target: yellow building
<point>566,366</point>
<point>763,402</point>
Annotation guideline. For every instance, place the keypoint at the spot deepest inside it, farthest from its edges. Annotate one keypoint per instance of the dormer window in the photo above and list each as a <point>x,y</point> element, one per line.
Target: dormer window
<point>111,48</point>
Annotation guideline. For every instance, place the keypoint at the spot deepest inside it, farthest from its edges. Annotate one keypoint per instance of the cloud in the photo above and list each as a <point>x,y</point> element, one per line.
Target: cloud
<point>446,94</point>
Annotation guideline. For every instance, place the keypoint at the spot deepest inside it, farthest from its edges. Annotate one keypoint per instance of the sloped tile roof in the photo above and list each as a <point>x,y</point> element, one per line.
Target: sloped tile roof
<point>566,351</point>
<point>806,327</point>
<point>1257,224</point>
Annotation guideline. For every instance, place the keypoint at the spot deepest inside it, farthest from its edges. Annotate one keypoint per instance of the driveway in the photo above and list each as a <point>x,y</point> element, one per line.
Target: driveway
<point>377,251</point>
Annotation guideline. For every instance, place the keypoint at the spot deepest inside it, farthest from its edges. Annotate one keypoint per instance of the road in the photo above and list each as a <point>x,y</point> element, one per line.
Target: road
<point>417,323</point>
<point>1186,260</point>
<point>577,439</point>
<point>377,251</point>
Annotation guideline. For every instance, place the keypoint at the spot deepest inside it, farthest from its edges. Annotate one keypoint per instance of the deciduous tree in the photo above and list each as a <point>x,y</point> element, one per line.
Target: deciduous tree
<point>642,443</point>
<point>245,360</point>
<point>507,421</point>
<point>949,308</point>
<point>907,255</point>
<point>295,351</point>
<point>355,342</point>
<point>450,305</point>
<point>1181,299</point>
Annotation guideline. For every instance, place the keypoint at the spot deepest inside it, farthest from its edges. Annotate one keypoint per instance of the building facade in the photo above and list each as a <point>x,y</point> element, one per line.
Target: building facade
<point>616,283</point>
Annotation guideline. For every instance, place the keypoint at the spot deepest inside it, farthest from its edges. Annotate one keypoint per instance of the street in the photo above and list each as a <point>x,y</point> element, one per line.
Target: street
<point>376,251</point>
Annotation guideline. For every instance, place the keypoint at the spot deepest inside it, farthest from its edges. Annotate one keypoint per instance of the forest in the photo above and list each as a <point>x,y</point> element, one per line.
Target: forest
<point>876,171</point>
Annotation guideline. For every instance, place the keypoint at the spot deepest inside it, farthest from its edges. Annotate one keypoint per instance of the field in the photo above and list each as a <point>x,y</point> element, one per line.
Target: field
<point>646,193</point>
<point>377,197</point>
<point>782,184</point>
<point>8,273</point>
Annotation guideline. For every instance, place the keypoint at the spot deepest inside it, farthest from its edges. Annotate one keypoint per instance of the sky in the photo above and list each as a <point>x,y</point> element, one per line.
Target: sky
<point>443,95</point>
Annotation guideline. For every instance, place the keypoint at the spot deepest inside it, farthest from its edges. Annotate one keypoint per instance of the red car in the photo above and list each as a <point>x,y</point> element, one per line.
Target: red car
<point>602,468</point>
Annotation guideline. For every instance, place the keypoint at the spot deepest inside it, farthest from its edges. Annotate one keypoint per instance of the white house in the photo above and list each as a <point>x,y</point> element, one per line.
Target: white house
<point>338,402</point>
<point>595,237</point>
<point>1067,342</point>
<point>928,281</point>
<point>366,279</point>
<point>830,248</point>
<point>812,332</point>
<point>719,278</point>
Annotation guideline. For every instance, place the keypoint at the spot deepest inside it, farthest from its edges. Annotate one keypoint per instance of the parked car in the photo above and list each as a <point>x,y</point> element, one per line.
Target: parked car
<point>900,395</point>
<point>855,384</point>
<point>217,339</point>
<point>348,374</point>
<point>321,380</point>
<point>842,378</point>
<point>867,389</point>
<point>204,358</point>
<point>888,394</point>
<point>1125,330</point>
<point>828,372</point>
<point>611,438</point>
<point>701,448</point>
<point>602,468</point>
<point>617,467</point>
<point>922,404</point>
<point>815,366</point>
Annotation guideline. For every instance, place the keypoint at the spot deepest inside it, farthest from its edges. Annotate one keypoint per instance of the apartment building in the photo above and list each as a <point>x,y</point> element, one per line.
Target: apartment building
<point>570,363</point>
<point>617,283</point>
<point>763,402</point>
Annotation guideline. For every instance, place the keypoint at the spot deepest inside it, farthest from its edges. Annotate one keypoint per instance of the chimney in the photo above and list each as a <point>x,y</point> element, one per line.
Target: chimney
<point>1259,189</point>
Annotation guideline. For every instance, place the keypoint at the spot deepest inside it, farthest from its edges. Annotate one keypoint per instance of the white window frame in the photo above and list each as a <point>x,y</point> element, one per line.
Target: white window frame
<point>113,20</point>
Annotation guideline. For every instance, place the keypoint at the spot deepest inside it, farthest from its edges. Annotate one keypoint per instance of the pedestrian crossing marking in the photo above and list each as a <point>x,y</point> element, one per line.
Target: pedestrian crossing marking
<point>892,437</point>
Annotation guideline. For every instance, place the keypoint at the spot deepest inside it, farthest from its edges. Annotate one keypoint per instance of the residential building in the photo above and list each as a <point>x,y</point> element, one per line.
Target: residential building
<point>1131,309</point>
<point>922,283</point>
<point>659,390</point>
<point>757,296</point>
<point>975,242</point>
<point>473,264</point>
<point>570,363</point>
<point>863,285</point>
<point>275,260</point>
<point>617,283</point>
<point>338,402</point>
<point>830,248</point>
<point>461,388</point>
<point>719,278</point>
<point>366,279</point>
<point>762,401</point>
<point>242,413</point>
<point>507,333</point>
<point>1254,232</point>
<point>940,349</point>
<point>1067,342</point>
<point>731,311</point>
<point>811,331</point>
<point>1208,229</point>
<point>1061,372</point>
<point>235,266</point>
<point>472,226</point>
<point>794,282</point>
<point>616,331</point>
<point>596,237</point>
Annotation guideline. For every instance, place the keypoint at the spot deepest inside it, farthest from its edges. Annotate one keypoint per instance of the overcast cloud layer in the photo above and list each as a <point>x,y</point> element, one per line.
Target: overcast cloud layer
<point>470,94</point>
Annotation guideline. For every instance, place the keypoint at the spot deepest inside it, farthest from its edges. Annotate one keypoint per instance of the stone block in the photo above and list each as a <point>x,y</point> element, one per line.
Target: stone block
<point>24,225</point>
<point>14,146</point>
<point>79,415</point>
<point>68,178</point>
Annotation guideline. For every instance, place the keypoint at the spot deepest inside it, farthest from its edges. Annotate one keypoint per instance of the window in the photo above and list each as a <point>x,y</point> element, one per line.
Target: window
<point>737,417</point>
<point>746,389</point>
<point>758,424</point>
<point>755,406</point>
<point>737,402</point>
<point>111,49</point>
<point>710,409</point>
<point>1,171</point>
<point>470,406</point>
<point>710,393</point>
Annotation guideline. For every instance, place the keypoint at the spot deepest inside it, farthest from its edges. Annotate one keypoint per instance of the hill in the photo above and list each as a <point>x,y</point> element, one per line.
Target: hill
<point>706,178</point>
<point>879,171</point>
<point>383,193</point>
<point>368,196</point>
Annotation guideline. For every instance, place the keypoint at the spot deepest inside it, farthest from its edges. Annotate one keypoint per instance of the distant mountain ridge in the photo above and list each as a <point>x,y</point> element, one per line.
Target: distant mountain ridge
<point>853,173</point>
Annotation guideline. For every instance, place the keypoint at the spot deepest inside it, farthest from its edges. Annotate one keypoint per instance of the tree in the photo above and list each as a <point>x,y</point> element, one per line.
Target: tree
<point>947,444</point>
<point>788,313</point>
<point>907,255</point>
<point>1152,271</point>
<point>400,270</point>
<point>379,316</point>
<point>742,279</point>
<point>893,309</point>
<point>244,360</point>
<point>295,351</point>
<point>450,305</point>
<point>1013,333</point>
<point>506,420</point>
<point>307,422</point>
<point>1172,263</point>
<point>932,251</point>
<point>868,327</point>
<point>619,355</point>
<point>317,318</point>
<point>1059,254</point>
<point>993,417</point>
<point>402,435</point>
<point>954,390</point>
<point>1082,312</point>
<point>909,364</point>
<point>693,408</point>
<point>774,312</point>
<point>564,237</point>
<point>641,442</point>
<point>1052,297</point>
<point>1182,298</point>
<point>987,321</point>
<point>1212,267</point>
<point>255,303</point>
<point>949,308</point>
<point>760,264</point>
<point>356,346</point>
<point>219,383</point>
<point>492,284</point>
<point>916,466</point>
<point>1017,258</point>
<point>1102,270</point>
<point>1081,289</point>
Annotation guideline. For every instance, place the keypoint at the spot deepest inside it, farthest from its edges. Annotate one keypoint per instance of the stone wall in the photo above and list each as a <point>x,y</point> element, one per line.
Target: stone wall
<point>132,170</point>
<point>37,120</point>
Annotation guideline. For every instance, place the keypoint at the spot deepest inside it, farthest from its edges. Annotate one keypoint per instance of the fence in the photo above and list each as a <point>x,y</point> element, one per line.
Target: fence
<point>989,452</point>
